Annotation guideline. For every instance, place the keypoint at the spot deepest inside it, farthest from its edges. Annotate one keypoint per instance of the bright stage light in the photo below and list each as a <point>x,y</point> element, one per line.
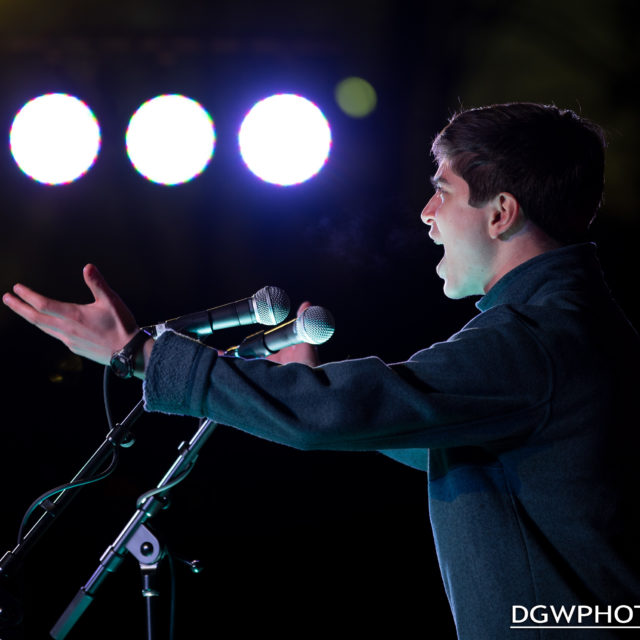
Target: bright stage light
<point>170,139</point>
<point>55,138</point>
<point>285,139</point>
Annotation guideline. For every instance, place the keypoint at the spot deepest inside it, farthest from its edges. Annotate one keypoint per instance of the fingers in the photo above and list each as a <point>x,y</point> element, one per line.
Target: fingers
<point>31,305</point>
<point>48,306</point>
<point>49,323</point>
<point>302,353</point>
<point>32,316</point>
<point>18,306</point>
<point>303,307</point>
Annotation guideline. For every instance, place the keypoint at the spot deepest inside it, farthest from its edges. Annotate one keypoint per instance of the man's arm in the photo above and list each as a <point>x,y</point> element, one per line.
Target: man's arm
<point>447,395</point>
<point>473,389</point>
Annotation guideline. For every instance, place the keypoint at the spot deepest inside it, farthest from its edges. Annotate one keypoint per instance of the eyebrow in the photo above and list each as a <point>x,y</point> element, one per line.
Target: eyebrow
<point>436,182</point>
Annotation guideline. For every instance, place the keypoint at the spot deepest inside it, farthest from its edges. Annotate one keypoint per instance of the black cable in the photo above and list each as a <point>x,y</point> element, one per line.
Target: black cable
<point>80,483</point>
<point>64,487</point>
<point>106,377</point>
<point>165,488</point>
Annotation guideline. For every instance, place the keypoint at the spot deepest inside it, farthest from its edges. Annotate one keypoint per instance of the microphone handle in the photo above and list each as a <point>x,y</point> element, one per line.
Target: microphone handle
<point>265,343</point>
<point>206,322</point>
<point>284,335</point>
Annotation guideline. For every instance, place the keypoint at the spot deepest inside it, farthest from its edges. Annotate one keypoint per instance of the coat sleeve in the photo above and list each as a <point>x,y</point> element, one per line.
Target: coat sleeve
<point>490,382</point>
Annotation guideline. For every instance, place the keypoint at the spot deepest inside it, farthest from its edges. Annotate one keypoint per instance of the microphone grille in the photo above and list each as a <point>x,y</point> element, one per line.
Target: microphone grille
<point>271,305</point>
<point>315,325</point>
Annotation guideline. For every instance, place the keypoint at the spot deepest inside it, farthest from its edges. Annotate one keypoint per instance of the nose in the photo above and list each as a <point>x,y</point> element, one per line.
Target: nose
<point>428,213</point>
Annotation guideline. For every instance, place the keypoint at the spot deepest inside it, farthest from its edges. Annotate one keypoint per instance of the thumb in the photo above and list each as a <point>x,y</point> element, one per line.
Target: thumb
<point>95,281</point>
<point>104,293</point>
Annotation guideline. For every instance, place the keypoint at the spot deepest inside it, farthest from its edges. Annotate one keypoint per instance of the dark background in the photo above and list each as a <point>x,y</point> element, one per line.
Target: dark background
<point>292,543</point>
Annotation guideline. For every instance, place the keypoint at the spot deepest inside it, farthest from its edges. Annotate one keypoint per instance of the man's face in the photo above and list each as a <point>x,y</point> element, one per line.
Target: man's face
<point>463,230</point>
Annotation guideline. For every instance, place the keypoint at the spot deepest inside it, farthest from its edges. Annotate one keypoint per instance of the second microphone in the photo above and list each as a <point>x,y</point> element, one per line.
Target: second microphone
<point>314,325</point>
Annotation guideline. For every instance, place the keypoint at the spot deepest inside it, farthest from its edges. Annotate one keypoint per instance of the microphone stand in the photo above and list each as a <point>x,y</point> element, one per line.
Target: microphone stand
<point>117,437</point>
<point>137,539</point>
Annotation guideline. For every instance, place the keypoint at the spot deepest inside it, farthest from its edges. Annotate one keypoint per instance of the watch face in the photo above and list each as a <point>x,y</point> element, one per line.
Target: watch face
<point>121,365</point>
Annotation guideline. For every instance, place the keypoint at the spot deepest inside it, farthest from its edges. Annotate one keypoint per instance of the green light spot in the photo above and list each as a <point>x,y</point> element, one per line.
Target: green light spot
<point>356,97</point>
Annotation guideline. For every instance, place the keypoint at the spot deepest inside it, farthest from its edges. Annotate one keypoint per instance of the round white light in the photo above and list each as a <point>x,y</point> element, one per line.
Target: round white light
<point>285,139</point>
<point>170,139</point>
<point>55,138</point>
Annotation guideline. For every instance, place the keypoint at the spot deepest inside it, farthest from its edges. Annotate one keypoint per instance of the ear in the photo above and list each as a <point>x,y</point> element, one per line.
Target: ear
<point>505,219</point>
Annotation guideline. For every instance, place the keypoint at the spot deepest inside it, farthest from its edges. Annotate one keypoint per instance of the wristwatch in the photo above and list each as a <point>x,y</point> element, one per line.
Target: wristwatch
<point>123,362</point>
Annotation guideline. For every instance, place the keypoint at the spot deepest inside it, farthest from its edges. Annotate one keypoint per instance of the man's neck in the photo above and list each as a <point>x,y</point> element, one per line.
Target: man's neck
<point>528,242</point>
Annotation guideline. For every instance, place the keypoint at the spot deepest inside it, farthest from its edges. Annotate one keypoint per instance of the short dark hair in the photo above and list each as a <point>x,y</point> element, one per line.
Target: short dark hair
<point>550,159</point>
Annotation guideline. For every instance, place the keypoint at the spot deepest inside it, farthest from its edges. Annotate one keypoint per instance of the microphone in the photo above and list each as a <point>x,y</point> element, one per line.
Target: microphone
<point>268,306</point>
<point>314,325</point>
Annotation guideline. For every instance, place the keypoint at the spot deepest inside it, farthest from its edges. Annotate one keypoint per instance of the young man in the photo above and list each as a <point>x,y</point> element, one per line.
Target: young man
<point>522,418</point>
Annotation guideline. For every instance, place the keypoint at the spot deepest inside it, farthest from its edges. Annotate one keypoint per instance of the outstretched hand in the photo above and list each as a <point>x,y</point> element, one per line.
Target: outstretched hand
<point>95,330</point>
<point>102,327</point>
<point>303,352</point>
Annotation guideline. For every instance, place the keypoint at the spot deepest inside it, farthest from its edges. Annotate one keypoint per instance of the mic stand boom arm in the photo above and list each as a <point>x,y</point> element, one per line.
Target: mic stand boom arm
<point>136,538</point>
<point>115,438</point>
